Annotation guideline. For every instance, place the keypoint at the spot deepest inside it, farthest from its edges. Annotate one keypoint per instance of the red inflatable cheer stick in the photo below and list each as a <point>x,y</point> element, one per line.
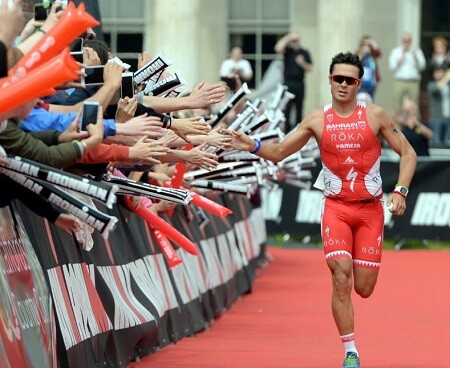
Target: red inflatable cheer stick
<point>208,205</point>
<point>73,22</point>
<point>177,177</point>
<point>163,242</point>
<point>168,252</point>
<point>38,82</point>
<point>163,226</point>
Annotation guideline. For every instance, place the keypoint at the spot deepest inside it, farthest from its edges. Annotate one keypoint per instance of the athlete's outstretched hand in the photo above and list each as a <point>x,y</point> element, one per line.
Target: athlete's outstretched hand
<point>241,141</point>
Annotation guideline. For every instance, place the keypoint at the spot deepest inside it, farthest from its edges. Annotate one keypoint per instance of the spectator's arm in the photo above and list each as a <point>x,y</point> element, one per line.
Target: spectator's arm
<point>112,80</point>
<point>280,46</point>
<point>203,96</point>
<point>16,141</point>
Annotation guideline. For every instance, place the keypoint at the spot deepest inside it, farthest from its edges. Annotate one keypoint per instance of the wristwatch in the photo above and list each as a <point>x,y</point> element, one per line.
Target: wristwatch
<point>400,189</point>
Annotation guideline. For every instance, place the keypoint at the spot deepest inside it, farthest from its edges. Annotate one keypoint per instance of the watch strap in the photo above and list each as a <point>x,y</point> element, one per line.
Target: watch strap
<point>402,190</point>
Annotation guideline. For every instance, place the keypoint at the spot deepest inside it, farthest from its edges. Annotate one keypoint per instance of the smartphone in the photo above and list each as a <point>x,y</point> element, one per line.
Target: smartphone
<point>77,45</point>
<point>89,114</point>
<point>78,56</point>
<point>40,12</point>
<point>94,75</point>
<point>127,86</point>
<point>76,49</point>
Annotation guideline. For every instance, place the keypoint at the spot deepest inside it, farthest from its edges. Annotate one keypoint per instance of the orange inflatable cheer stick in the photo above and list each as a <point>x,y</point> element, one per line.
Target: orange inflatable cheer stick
<point>38,82</point>
<point>73,22</point>
<point>163,226</point>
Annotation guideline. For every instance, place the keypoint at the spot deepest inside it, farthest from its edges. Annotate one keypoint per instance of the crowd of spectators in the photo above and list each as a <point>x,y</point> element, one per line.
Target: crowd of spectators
<point>143,134</point>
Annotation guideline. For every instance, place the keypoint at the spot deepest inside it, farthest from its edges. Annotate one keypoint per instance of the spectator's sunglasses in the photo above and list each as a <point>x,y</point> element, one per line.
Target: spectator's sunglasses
<point>341,78</point>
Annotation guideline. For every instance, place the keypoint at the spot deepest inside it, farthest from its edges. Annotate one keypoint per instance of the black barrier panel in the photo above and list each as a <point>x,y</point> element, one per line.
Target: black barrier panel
<point>427,213</point>
<point>120,300</point>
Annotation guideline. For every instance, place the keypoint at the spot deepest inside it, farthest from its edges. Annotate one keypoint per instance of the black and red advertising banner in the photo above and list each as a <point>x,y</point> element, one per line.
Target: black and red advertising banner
<point>120,300</point>
<point>27,325</point>
<point>427,216</point>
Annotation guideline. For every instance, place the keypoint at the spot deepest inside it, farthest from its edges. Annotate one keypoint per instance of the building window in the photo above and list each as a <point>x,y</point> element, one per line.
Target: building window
<point>123,24</point>
<point>256,25</point>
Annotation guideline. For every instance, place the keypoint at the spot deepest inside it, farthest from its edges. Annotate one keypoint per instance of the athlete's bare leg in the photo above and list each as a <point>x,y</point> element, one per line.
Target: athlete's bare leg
<point>341,302</point>
<point>365,280</point>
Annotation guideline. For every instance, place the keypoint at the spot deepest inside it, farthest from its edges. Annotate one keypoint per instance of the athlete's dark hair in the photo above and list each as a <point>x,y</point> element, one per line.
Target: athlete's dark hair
<point>347,58</point>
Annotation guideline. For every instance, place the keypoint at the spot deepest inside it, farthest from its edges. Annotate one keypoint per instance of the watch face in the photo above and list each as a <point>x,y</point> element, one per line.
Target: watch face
<point>403,190</point>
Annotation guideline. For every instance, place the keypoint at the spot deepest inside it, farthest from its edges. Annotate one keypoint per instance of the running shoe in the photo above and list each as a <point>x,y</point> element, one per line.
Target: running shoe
<point>351,360</point>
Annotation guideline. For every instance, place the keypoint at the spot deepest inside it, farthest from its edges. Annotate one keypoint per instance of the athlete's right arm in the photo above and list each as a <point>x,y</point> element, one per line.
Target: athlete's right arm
<point>276,152</point>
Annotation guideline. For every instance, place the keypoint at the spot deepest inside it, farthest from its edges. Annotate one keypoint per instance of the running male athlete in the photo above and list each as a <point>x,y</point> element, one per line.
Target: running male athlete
<point>348,133</point>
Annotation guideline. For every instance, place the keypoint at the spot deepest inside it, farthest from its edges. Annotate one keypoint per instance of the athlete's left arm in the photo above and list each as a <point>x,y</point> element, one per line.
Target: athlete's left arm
<point>398,142</point>
<point>408,158</point>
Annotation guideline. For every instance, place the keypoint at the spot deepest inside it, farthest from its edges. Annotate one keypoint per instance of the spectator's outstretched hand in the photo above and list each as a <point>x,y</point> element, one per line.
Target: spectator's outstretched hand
<point>198,157</point>
<point>150,126</point>
<point>147,150</point>
<point>168,138</point>
<point>11,21</point>
<point>222,141</point>
<point>205,95</point>
<point>190,126</point>
<point>126,108</point>
<point>52,18</point>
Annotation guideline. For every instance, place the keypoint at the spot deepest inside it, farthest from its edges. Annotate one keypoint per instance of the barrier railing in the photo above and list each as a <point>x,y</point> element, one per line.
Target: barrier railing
<point>120,300</point>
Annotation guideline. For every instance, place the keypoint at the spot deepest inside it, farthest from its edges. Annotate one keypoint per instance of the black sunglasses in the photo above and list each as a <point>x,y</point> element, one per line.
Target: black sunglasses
<point>341,78</point>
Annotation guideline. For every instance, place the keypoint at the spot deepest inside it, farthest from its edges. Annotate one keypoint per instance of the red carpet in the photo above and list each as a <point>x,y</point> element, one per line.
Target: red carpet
<point>286,321</point>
